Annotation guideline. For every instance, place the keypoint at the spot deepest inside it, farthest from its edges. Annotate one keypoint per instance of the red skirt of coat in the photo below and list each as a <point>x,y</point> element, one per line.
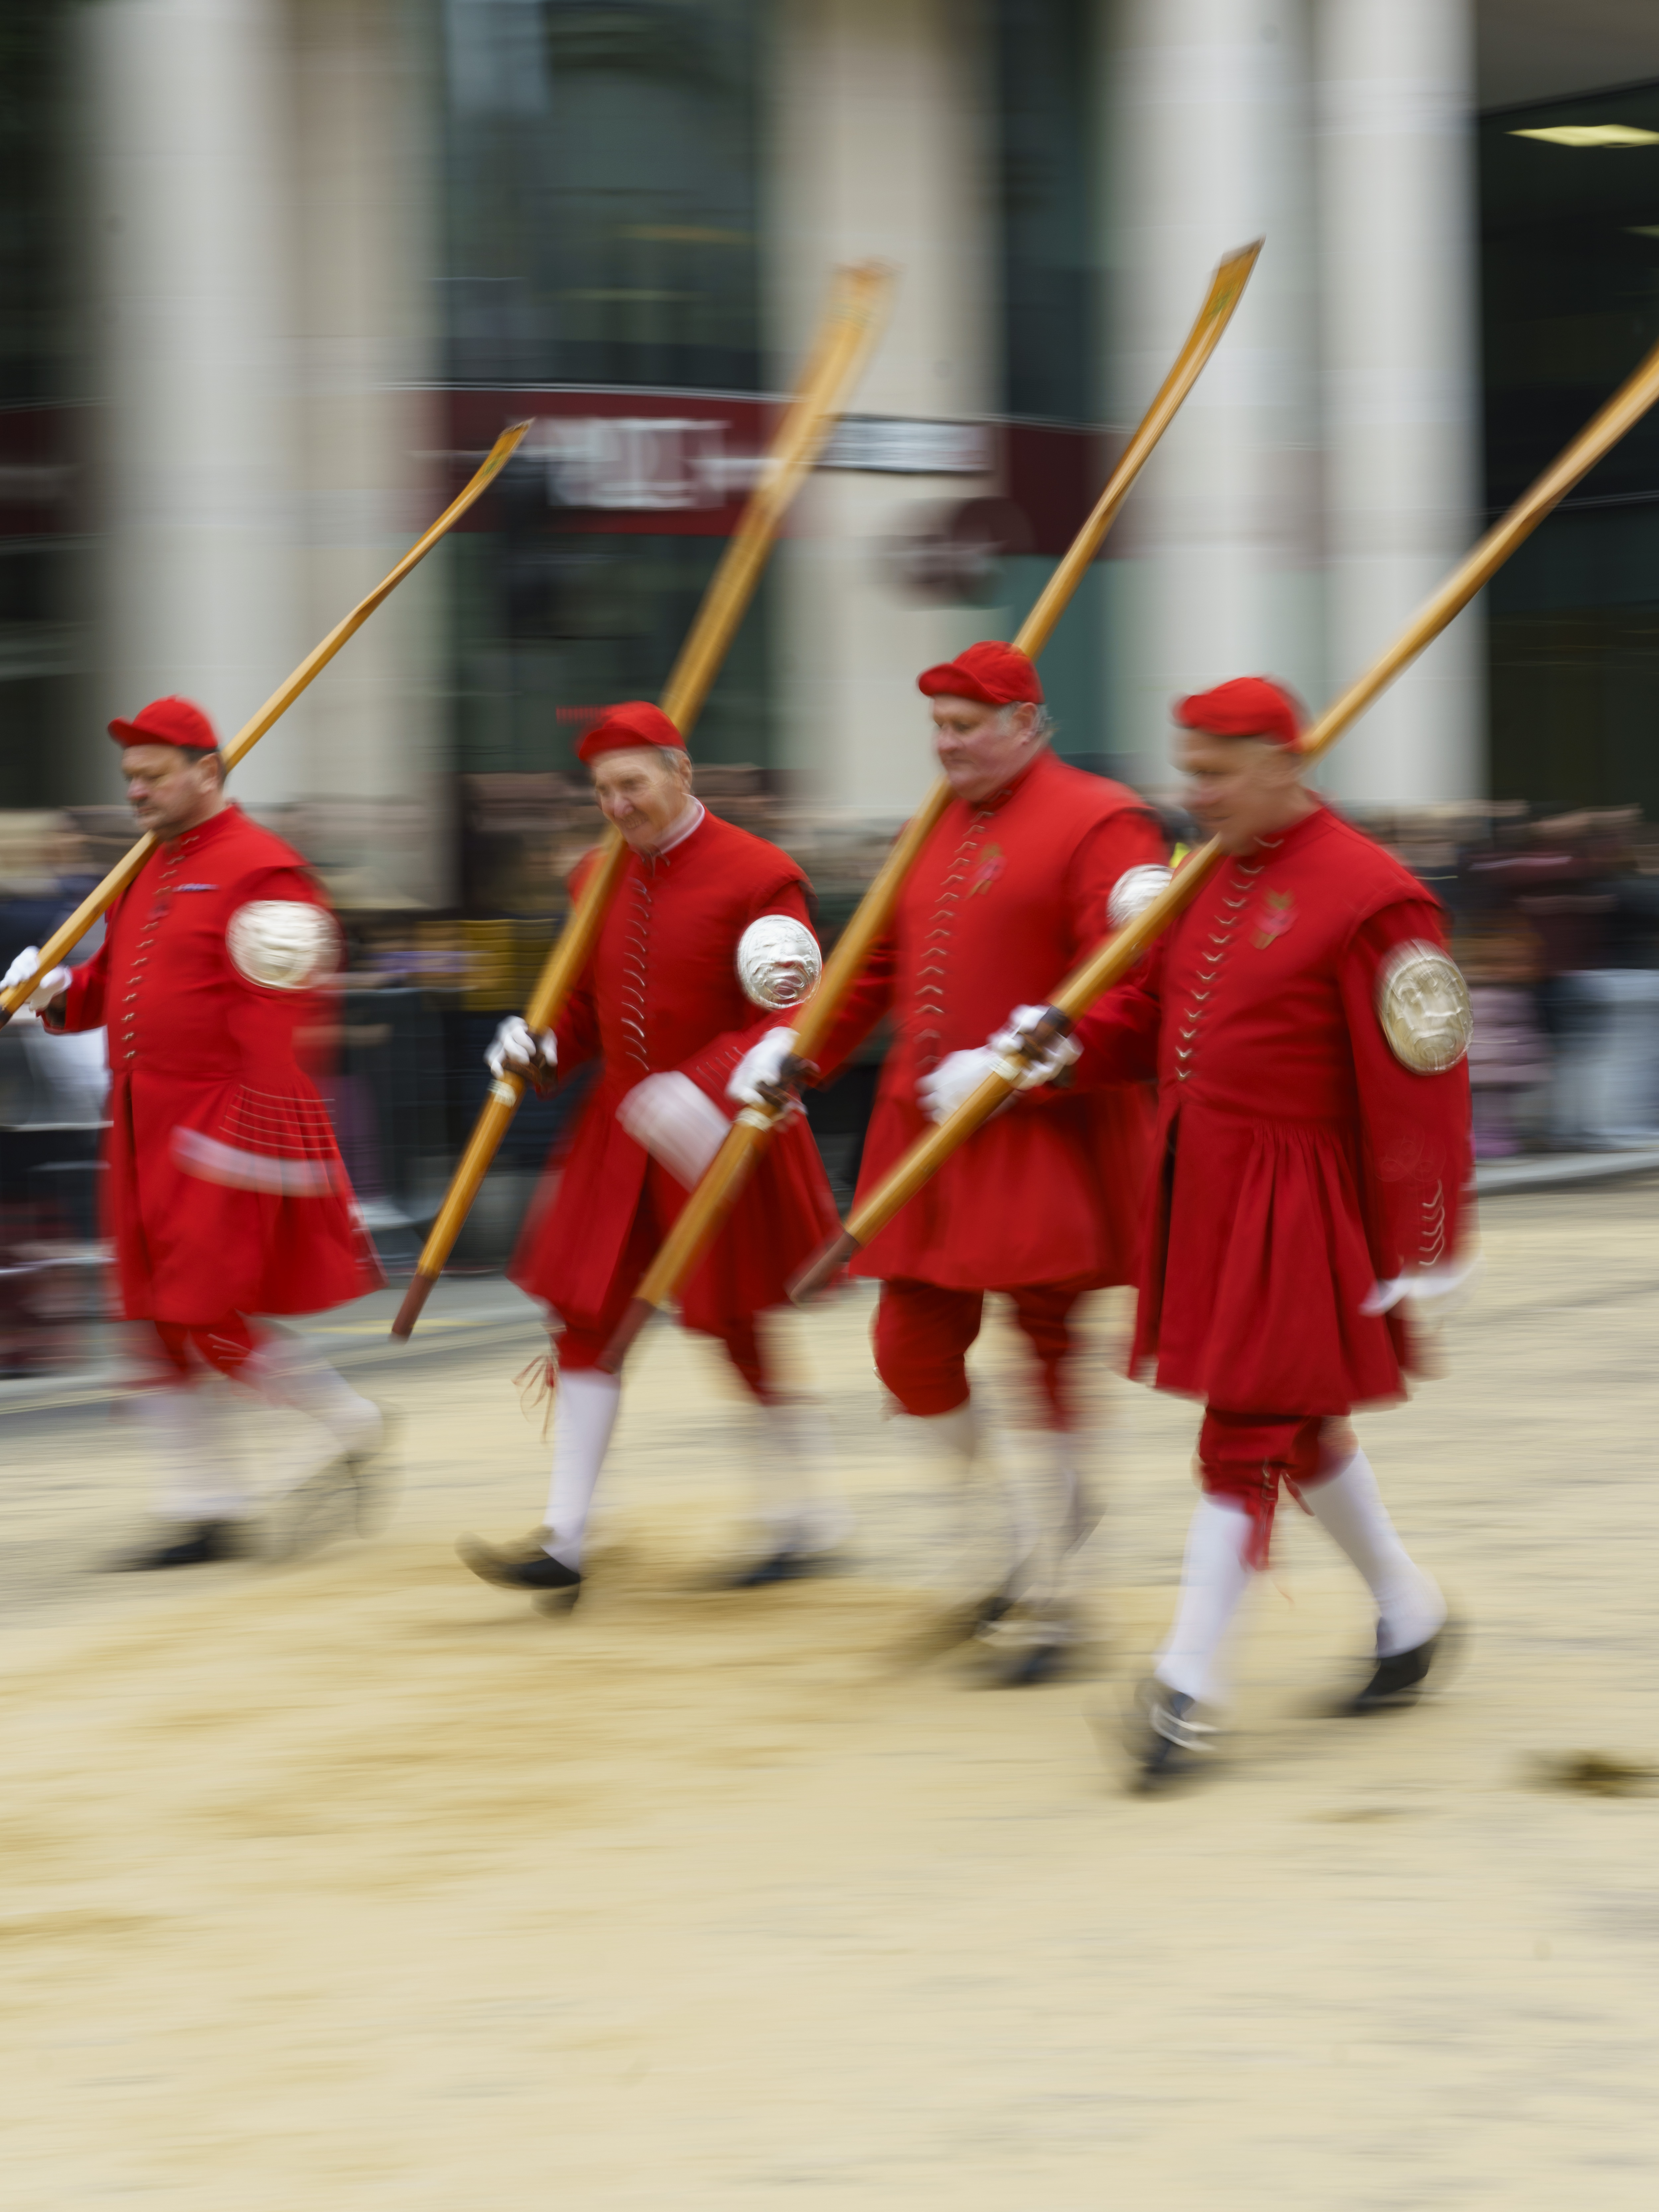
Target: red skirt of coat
<point>576,1235</point>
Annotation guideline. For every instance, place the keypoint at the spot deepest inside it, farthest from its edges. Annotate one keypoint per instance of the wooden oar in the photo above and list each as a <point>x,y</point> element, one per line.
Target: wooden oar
<point>706,1209</point>
<point>1112,960</point>
<point>857,308</point>
<point>64,940</point>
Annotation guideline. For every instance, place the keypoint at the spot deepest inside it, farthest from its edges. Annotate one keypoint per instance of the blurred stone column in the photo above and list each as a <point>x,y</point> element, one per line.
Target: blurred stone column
<point>187,184</point>
<point>1206,107</point>
<point>1398,211</point>
<point>881,143</point>
<point>369,428</point>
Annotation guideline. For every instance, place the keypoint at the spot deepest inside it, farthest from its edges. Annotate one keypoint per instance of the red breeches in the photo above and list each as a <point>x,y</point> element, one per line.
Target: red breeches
<point>223,1343</point>
<point>1245,1457</point>
<point>922,1335</point>
<point>583,1337</point>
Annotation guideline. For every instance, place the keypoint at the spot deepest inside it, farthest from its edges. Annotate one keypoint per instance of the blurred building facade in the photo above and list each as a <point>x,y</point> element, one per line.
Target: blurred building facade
<point>276,271</point>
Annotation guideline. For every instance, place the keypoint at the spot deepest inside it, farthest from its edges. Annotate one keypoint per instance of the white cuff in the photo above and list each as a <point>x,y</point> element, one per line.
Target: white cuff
<point>676,1123</point>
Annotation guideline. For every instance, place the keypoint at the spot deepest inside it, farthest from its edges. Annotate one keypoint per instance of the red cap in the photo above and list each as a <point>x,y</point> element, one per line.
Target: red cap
<point>996,674</point>
<point>167,722</point>
<point>1249,707</point>
<point>635,722</point>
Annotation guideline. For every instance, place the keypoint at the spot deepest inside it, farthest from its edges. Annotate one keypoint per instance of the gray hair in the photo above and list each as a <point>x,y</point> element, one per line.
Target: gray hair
<point>1042,725</point>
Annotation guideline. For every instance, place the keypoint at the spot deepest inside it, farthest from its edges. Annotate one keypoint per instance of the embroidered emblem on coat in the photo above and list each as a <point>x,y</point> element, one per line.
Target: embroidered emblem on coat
<point>990,867</point>
<point>1277,913</point>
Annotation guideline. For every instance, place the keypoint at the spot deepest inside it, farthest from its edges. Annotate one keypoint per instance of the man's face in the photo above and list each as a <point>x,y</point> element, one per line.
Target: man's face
<point>169,788</point>
<point>981,748</point>
<point>643,792</point>
<point>1239,789</point>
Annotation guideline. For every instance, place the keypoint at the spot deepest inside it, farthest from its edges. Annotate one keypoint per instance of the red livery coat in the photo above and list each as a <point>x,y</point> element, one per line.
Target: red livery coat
<point>1004,898</point>
<point>662,994</point>
<point>1302,1161</point>
<point>226,1192</point>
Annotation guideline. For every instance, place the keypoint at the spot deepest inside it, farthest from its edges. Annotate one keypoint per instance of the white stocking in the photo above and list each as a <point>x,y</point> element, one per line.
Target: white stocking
<point>1349,1508</point>
<point>1214,1576</point>
<point>288,1371</point>
<point>585,1407</point>
<point>796,1505</point>
<point>989,1530</point>
<point>189,1437</point>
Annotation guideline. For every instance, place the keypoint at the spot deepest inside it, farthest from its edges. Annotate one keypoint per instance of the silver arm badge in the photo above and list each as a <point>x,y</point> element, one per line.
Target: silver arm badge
<point>1423,1004</point>
<point>779,963</point>
<point>1134,892</point>
<point>283,944</point>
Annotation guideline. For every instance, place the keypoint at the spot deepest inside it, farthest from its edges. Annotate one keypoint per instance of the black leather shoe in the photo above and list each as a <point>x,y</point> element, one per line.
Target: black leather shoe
<point>196,1544</point>
<point>1165,1736</point>
<point>532,1569</point>
<point>1395,1681</point>
<point>784,1565</point>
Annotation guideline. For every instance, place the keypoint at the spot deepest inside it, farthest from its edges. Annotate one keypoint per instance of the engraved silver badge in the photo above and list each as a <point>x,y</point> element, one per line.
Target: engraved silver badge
<point>1423,1004</point>
<point>779,963</point>
<point>1133,893</point>
<point>283,944</point>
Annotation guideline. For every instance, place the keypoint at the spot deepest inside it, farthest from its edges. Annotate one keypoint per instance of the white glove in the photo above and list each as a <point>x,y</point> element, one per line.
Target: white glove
<point>516,1046</point>
<point>1059,1057</point>
<point>958,1076</point>
<point>676,1123</point>
<point>762,1064</point>
<point>54,980</point>
<point>1439,1289</point>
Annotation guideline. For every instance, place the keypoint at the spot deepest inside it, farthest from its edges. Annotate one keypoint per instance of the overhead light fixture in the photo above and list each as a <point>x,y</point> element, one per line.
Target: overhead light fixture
<point>1592,133</point>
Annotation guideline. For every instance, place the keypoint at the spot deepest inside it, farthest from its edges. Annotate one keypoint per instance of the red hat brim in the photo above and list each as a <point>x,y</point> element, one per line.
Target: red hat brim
<point>135,733</point>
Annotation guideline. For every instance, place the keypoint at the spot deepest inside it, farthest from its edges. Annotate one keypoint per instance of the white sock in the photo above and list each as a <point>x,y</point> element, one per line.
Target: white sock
<point>286,1371</point>
<point>990,1529</point>
<point>1349,1508</point>
<point>189,1435</point>
<point>796,1505</point>
<point>1054,1515</point>
<point>1215,1575</point>
<point>585,1407</point>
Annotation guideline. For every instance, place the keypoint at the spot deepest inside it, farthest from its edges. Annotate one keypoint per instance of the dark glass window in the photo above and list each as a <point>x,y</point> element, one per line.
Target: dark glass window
<point>1044,83</point>
<point>1570,304</point>
<point>40,651</point>
<point>601,232</point>
<point>602,226</point>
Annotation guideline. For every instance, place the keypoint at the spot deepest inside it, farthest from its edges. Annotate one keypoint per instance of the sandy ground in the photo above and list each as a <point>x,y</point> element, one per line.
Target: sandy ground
<point>353,1882</point>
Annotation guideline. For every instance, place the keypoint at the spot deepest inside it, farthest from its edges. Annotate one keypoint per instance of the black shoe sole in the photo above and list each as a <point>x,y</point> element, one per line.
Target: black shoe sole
<point>539,1578</point>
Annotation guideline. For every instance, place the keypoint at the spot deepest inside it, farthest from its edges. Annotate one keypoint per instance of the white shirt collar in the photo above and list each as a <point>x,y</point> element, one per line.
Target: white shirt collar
<point>682,829</point>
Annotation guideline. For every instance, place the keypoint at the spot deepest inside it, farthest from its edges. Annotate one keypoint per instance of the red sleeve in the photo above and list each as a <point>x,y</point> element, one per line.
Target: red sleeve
<point>869,998</point>
<point>83,1001</point>
<point>1119,1032</point>
<point>1128,838</point>
<point>710,1067</point>
<point>576,1031</point>
<point>1415,1127</point>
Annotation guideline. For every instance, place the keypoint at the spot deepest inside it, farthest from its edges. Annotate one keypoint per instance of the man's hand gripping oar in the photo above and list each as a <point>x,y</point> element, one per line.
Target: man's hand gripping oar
<point>706,1209</point>
<point>1112,960</point>
<point>857,309</point>
<point>63,940</point>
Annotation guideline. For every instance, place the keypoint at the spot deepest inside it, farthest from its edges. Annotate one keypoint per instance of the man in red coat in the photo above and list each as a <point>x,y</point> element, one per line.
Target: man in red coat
<point>225,1194</point>
<point>708,932</point>
<point>1307,1030</point>
<point>1026,869</point>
